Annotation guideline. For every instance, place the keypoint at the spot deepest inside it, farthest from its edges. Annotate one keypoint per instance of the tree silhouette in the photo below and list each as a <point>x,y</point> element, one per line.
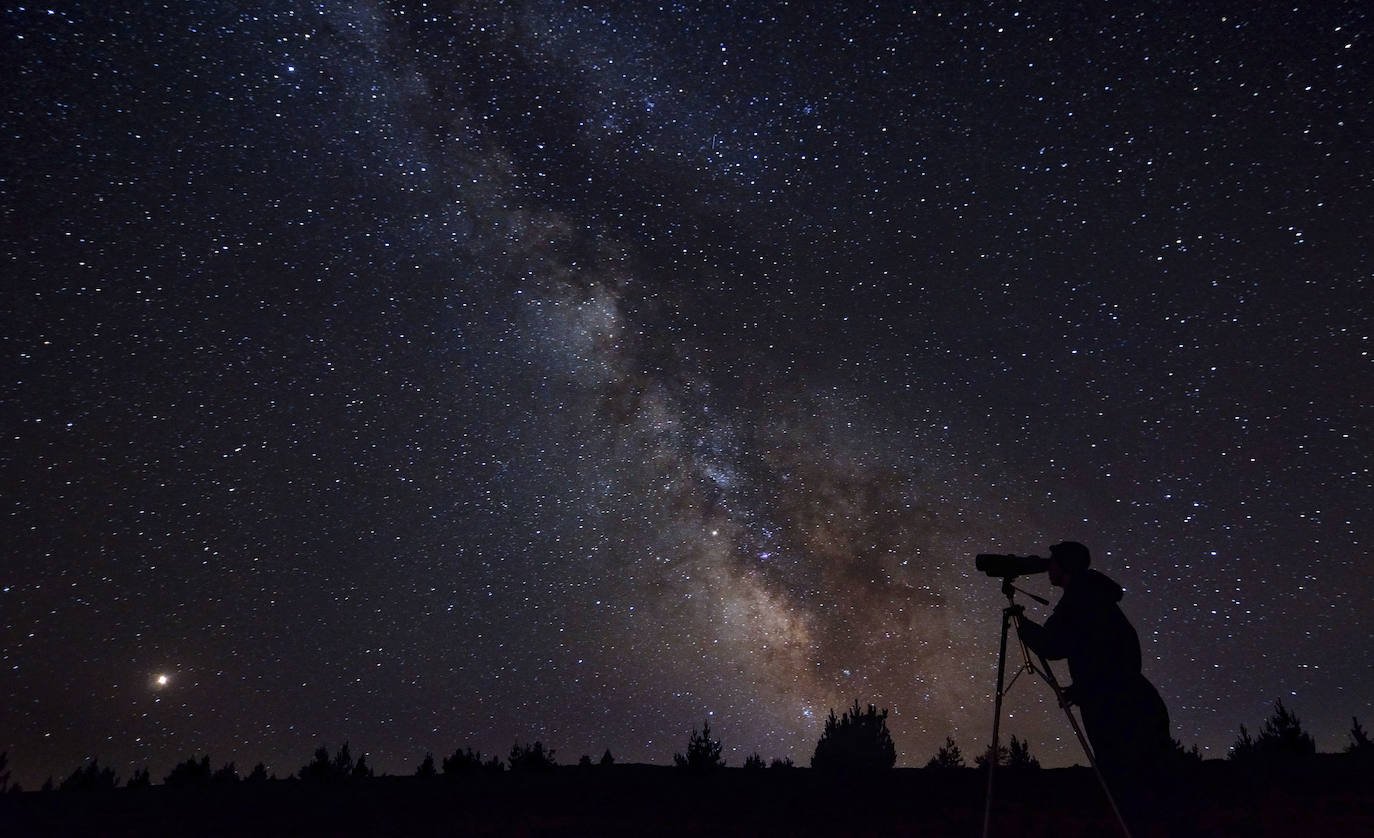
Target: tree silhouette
<point>319,768</point>
<point>781,762</point>
<point>1182,756</point>
<point>1359,745</point>
<point>1243,748</point>
<point>1019,755</point>
<point>1283,735</point>
<point>856,741</point>
<point>531,757</point>
<point>257,775</point>
<point>1282,738</point>
<point>947,757</point>
<point>341,767</point>
<point>703,752</point>
<point>1003,757</point>
<point>5,785</point>
<point>607,759</point>
<point>139,780</point>
<point>90,778</point>
<point>226,774</point>
<point>468,761</point>
<point>426,768</point>
<point>189,772</point>
<point>754,761</point>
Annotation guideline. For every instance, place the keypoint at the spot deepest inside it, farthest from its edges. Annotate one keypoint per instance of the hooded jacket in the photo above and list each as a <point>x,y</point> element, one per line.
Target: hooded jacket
<point>1125,718</point>
<point>1089,629</point>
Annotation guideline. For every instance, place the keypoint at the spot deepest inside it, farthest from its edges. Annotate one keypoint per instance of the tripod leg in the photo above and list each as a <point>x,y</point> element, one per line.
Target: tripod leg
<point>1101,778</point>
<point>996,722</point>
<point>1048,675</point>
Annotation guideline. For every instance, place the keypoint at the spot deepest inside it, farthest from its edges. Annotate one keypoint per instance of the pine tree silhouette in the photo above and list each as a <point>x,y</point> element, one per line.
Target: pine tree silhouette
<point>1243,749</point>
<point>856,741</point>
<point>90,778</point>
<point>1281,739</point>
<point>531,757</point>
<point>1182,756</point>
<point>1359,740</point>
<point>1283,736</point>
<point>341,767</point>
<point>703,752</point>
<point>1003,757</point>
<point>1019,755</point>
<point>947,757</point>
<point>189,772</point>
<point>226,774</point>
<point>469,761</point>
<point>320,768</point>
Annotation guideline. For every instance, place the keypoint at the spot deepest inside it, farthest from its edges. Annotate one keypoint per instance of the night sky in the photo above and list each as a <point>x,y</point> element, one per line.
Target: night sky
<point>581,371</point>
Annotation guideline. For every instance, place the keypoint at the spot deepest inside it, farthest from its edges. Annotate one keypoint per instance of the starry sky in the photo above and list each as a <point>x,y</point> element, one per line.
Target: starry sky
<point>578,372</point>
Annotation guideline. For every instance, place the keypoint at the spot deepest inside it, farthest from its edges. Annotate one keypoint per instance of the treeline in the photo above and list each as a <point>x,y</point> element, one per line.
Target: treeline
<point>856,741</point>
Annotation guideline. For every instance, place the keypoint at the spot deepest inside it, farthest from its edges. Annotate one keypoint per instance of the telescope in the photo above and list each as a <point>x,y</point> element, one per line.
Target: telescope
<point>1004,566</point>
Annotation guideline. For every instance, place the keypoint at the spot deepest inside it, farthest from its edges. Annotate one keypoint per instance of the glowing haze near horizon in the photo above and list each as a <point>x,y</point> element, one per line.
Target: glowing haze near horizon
<point>578,372</point>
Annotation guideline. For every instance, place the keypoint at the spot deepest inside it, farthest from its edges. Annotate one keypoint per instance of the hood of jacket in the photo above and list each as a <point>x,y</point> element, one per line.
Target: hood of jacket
<point>1090,584</point>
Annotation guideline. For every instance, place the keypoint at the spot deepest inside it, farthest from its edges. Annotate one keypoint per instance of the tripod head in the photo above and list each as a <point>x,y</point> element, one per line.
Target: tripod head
<point>1010,591</point>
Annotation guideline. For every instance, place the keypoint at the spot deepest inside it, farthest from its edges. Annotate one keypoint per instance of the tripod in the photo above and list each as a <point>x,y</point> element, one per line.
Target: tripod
<point>1012,613</point>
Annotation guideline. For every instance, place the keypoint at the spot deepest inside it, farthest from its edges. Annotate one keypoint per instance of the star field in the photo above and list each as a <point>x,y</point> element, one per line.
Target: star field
<point>432,379</point>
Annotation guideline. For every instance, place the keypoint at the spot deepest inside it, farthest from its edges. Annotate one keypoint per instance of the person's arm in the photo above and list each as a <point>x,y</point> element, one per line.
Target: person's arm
<point>1052,640</point>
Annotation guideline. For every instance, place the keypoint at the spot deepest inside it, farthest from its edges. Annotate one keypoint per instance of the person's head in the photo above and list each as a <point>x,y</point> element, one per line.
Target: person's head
<point>1067,559</point>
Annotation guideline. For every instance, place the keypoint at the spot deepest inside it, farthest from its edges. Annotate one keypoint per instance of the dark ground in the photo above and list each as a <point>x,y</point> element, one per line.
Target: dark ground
<point>1324,797</point>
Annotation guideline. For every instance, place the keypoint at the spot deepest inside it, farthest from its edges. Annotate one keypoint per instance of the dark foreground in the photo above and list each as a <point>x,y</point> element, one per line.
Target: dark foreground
<point>1321,798</point>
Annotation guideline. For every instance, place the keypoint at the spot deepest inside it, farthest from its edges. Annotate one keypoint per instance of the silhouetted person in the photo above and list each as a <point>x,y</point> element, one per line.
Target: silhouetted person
<point>1125,719</point>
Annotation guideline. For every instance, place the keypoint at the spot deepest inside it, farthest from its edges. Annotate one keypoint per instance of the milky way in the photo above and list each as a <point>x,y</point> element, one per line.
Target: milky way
<point>580,373</point>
